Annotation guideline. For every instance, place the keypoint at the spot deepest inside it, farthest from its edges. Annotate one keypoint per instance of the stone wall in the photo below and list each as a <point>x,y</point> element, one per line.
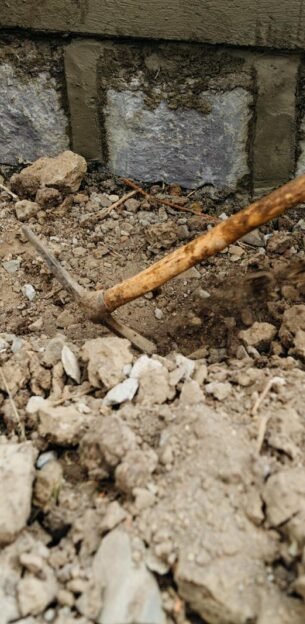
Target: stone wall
<point>226,116</point>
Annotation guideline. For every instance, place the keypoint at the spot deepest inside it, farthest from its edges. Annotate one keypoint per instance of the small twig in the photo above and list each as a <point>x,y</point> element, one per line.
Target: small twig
<point>161,201</point>
<point>4,188</point>
<point>106,211</point>
<point>274,381</point>
<point>18,424</point>
<point>94,217</point>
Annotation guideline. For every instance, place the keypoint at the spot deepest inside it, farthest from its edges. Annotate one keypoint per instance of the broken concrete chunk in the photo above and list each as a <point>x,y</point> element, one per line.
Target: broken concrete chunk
<point>219,390</point>
<point>35,594</point>
<point>53,351</point>
<point>107,358</point>
<point>135,470</point>
<point>259,335</point>
<point>63,425</point>
<point>25,209</point>
<point>64,172</point>
<point>191,393</point>
<point>105,446</point>
<point>293,322</point>
<point>47,484</point>
<point>284,495</point>
<point>17,471</point>
<point>154,386</point>
<point>130,592</point>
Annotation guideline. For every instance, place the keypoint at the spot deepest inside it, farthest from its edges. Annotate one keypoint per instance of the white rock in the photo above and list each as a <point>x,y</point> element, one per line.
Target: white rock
<point>158,314</point>
<point>35,403</point>
<point>29,292</point>
<point>130,592</point>
<point>17,471</point>
<point>70,364</point>
<point>142,365</point>
<point>124,391</point>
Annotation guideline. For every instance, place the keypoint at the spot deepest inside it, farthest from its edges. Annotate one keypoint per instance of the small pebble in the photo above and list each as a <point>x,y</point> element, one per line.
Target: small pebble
<point>29,292</point>
<point>158,314</point>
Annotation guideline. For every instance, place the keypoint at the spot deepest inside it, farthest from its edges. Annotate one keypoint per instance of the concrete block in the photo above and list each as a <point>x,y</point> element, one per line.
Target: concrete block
<point>32,120</point>
<point>184,146</point>
<point>172,112</point>
<point>266,23</point>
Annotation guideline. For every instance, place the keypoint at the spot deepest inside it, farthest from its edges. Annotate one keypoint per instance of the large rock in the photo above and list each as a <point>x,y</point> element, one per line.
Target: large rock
<point>130,592</point>
<point>184,145</point>
<point>17,473</point>
<point>63,172</point>
<point>32,120</point>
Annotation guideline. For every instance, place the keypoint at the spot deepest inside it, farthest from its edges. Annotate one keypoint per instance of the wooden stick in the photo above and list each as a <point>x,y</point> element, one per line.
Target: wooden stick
<point>104,212</point>
<point>4,188</point>
<point>164,202</point>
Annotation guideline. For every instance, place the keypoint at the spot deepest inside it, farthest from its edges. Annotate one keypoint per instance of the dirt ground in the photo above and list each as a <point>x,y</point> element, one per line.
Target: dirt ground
<point>151,490</point>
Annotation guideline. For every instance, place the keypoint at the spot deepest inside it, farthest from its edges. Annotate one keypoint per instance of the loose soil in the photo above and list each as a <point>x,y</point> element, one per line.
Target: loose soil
<point>202,470</point>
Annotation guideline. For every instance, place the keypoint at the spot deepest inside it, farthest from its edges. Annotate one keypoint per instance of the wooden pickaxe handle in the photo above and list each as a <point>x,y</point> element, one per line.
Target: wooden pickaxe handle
<point>208,244</point>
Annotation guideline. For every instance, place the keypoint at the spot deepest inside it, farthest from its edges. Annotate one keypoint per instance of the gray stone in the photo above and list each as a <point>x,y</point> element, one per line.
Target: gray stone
<point>130,592</point>
<point>11,266</point>
<point>184,145</point>
<point>32,121</point>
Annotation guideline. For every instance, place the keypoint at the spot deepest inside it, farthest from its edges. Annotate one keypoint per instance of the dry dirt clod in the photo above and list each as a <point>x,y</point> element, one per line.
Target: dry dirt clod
<point>26,209</point>
<point>107,359</point>
<point>259,336</point>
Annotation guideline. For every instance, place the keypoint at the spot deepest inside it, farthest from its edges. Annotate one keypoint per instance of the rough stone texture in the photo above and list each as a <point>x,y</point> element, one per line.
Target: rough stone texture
<point>274,143</point>
<point>16,479</point>
<point>182,146</point>
<point>64,172</point>
<point>32,120</point>
<point>269,23</point>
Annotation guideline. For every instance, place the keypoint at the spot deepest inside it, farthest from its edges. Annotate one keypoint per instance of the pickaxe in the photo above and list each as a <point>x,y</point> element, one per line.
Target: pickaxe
<point>98,305</point>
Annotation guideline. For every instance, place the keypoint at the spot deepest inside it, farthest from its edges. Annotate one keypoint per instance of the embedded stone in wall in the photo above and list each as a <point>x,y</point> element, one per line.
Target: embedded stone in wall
<point>181,145</point>
<point>32,120</point>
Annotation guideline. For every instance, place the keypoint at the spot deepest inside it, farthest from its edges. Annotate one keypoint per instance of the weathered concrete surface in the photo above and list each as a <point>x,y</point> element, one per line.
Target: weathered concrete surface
<point>183,146</point>
<point>269,23</point>
<point>32,120</point>
<point>81,71</point>
<point>275,131</point>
